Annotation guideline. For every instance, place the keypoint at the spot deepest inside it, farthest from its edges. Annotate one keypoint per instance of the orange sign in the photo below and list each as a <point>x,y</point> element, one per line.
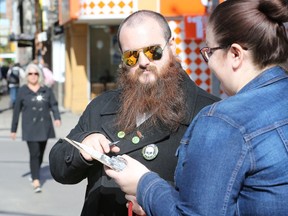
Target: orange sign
<point>68,10</point>
<point>184,7</point>
<point>195,27</point>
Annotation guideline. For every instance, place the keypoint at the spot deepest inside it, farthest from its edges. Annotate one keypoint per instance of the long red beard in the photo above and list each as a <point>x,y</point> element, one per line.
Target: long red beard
<point>164,98</point>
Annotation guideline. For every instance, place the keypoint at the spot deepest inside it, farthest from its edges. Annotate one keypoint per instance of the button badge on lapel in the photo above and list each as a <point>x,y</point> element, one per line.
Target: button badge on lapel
<point>121,134</point>
<point>150,152</point>
<point>135,140</point>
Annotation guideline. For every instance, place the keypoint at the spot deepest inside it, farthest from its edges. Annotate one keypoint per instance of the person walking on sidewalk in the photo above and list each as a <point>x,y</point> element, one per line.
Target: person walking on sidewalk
<point>35,101</point>
<point>14,76</point>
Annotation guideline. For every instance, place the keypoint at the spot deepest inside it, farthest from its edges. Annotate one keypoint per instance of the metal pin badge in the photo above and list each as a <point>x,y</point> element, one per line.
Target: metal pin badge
<point>139,134</point>
<point>150,152</point>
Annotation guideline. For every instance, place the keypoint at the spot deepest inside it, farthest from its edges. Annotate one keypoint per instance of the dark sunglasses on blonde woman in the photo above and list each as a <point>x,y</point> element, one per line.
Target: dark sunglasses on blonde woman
<point>30,74</point>
<point>130,57</point>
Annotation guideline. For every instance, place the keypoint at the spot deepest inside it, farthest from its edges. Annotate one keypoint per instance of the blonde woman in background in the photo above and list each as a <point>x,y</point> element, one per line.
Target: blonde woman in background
<point>35,101</point>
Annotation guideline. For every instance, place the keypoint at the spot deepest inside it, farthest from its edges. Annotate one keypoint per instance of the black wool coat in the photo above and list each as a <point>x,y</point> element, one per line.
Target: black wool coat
<point>103,196</point>
<point>36,108</point>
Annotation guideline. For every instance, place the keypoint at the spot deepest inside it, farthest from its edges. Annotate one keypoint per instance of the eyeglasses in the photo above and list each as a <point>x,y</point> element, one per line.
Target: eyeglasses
<point>207,52</point>
<point>36,74</point>
<point>130,57</point>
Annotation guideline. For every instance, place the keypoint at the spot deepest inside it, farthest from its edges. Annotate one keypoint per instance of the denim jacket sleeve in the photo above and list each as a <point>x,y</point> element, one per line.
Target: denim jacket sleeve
<point>156,196</point>
<point>208,181</point>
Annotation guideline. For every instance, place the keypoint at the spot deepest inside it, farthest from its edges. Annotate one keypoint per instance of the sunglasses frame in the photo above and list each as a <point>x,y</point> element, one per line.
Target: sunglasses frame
<point>155,55</point>
<point>36,74</point>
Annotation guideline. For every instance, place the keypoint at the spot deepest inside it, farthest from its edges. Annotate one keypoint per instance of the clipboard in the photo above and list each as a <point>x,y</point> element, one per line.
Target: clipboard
<point>116,163</point>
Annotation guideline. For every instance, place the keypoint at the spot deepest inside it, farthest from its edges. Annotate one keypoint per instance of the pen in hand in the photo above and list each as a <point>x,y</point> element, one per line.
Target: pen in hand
<point>114,143</point>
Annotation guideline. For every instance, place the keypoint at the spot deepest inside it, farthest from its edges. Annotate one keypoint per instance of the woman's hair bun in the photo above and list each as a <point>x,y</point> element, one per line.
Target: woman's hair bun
<point>275,10</point>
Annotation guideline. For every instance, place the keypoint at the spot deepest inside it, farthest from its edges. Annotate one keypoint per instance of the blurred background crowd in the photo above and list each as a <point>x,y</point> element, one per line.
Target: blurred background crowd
<point>77,41</point>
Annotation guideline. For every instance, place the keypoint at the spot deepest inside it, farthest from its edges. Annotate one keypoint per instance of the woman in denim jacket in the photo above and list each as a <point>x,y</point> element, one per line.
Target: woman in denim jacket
<point>233,159</point>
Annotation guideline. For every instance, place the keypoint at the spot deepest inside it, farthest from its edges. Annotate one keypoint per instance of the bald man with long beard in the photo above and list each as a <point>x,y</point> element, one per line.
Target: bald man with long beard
<point>148,114</point>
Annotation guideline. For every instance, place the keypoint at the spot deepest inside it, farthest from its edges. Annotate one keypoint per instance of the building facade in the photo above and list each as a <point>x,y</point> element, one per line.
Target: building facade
<point>79,40</point>
<point>91,50</point>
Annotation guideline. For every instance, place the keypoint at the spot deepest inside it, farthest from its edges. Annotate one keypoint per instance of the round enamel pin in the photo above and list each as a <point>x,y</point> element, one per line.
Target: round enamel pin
<point>150,152</point>
<point>121,134</point>
<point>135,140</point>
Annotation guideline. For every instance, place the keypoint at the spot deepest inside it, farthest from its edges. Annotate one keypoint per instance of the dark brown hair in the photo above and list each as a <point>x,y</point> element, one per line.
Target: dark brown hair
<point>254,24</point>
<point>139,16</point>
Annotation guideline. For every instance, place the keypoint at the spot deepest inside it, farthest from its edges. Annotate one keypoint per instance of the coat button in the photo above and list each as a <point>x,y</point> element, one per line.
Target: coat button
<point>67,159</point>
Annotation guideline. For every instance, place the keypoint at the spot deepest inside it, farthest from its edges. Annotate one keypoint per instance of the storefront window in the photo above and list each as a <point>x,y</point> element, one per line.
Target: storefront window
<point>105,58</point>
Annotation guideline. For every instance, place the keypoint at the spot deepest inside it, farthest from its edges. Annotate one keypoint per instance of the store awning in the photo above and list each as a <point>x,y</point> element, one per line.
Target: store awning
<point>23,40</point>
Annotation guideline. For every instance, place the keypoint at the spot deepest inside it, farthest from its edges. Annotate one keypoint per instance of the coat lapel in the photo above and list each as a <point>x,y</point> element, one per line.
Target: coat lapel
<point>151,135</point>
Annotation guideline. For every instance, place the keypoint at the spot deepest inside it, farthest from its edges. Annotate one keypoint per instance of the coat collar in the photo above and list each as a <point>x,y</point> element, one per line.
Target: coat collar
<point>27,90</point>
<point>267,77</point>
<point>150,135</point>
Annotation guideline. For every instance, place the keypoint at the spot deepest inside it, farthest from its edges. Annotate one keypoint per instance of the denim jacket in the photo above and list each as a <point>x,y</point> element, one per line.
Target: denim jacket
<point>233,159</point>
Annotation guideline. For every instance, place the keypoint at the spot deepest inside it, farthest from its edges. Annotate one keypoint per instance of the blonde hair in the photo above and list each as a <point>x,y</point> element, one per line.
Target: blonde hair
<point>39,71</point>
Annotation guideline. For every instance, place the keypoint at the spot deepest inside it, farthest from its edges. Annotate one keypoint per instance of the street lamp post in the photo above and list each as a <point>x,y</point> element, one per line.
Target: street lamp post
<point>215,81</point>
<point>38,25</point>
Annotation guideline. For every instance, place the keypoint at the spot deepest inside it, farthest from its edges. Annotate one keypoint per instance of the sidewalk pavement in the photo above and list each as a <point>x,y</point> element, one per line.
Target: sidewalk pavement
<point>17,196</point>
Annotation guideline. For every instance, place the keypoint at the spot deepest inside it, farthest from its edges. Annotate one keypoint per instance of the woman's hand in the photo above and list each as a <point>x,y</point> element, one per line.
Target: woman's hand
<point>136,208</point>
<point>129,177</point>
<point>13,135</point>
<point>57,123</point>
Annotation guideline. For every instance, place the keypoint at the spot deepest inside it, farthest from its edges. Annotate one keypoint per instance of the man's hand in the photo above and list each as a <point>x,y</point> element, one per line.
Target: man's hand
<point>129,177</point>
<point>100,143</point>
